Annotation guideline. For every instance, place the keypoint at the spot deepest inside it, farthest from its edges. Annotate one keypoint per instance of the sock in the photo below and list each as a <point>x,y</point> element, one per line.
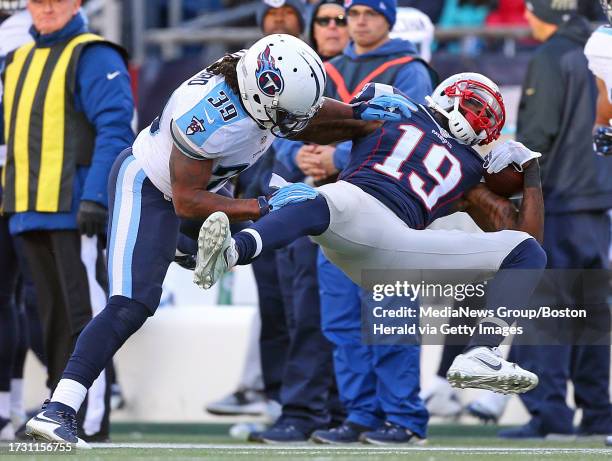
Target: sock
<point>17,405</point>
<point>5,405</point>
<point>69,392</point>
<point>512,287</point>
<point>279,228</point>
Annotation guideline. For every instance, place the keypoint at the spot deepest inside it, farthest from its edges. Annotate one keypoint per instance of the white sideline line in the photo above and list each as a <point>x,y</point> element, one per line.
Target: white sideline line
<point>246,449</point>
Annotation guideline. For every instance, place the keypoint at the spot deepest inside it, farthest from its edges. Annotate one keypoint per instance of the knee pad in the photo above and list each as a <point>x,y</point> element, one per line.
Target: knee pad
<point>130,315</point>
<point>528,254</point>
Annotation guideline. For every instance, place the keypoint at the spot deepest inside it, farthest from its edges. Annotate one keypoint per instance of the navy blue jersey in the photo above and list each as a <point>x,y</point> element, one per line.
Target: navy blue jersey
<point>415,168</point>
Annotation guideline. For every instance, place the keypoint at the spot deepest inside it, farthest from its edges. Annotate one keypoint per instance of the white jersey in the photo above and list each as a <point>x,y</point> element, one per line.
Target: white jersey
<point>598,51</point>
<point>14,32</point>
<point>205,120</point>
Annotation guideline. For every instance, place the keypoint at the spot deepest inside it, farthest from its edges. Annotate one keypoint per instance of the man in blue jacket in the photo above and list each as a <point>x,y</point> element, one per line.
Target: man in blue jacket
<point>67,112</point>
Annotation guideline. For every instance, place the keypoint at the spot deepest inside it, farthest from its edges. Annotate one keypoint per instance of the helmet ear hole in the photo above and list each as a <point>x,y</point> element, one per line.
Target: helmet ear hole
<point>256,99</point>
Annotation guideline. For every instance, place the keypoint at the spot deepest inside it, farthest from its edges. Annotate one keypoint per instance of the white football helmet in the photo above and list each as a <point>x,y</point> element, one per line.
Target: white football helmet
<point>473,106</point>
<point>416,27</point>
<point>281,82</point>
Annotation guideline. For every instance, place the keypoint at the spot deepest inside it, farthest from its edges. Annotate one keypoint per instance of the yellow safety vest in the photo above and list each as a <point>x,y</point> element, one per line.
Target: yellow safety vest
<point>46,136</point>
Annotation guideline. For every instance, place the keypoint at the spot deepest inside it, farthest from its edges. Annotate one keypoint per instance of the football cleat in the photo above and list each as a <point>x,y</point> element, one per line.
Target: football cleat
<point>55,423</point>
<point>242,402</point>
<point>442,400</point>
<point>216,252</point>
<point>484,368</point>
<point>489,407</point>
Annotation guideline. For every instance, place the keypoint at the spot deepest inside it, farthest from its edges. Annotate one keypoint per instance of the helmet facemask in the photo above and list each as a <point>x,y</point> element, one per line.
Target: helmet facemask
<point>477,115</point>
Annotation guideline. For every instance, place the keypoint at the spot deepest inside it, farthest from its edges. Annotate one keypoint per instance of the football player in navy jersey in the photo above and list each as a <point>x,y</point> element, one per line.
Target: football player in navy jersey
<point>401,177</point>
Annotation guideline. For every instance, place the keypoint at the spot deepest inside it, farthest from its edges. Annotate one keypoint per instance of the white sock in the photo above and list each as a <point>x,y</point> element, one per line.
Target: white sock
<point>5,405</point>
<point>69,392</point>
<point>17,406</point>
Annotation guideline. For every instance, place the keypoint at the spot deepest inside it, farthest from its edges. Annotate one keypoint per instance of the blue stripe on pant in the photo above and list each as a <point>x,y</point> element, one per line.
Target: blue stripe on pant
<point>375,383</point>
<point>143,234</point>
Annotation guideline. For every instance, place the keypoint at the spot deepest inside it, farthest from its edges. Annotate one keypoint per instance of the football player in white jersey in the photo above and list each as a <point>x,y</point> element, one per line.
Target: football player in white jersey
<point>215,125</point>
<point>598,51</point>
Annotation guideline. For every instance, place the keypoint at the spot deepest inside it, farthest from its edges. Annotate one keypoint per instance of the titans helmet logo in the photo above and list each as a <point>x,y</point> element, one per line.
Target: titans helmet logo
<point>269,78</point>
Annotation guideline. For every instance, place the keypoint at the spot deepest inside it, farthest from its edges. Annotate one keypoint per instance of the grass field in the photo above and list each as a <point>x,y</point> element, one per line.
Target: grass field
<point>153,442</point>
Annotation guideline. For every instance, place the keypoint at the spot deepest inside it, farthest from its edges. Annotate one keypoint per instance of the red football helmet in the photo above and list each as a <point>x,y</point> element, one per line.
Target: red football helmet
<point>473,105</point>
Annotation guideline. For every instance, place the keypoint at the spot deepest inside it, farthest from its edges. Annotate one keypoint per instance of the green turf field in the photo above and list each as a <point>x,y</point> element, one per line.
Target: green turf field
<point>152,442</point>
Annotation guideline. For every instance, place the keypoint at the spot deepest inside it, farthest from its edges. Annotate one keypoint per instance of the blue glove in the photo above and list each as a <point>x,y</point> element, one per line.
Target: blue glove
<point>293,193</point>
<point>388,107</point>
<point>602,140</point>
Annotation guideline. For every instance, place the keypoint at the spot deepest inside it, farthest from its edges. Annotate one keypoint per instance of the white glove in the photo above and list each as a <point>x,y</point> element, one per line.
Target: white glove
<point>506,153</point>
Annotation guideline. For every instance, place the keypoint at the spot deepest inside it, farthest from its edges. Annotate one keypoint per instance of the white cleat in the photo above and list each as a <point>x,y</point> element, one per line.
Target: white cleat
<point>485,368</point>
<point>216,254</point>
<point>441,399</point>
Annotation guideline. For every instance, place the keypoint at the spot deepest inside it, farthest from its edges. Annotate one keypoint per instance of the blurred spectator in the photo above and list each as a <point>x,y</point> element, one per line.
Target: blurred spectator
<point>328,28</point>
<point>507,13</point>
<point>556,117</point>
<point>281,17</point>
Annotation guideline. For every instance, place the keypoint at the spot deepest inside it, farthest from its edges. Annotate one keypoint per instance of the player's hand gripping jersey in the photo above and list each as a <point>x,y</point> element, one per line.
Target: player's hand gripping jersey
<point>415,168</point>
<point>205,120</point>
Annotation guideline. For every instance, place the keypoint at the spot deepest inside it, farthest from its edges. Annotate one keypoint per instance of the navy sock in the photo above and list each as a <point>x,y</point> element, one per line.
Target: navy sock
<point>512,286</point>
<point>279,228</point>
<point>102,337</point>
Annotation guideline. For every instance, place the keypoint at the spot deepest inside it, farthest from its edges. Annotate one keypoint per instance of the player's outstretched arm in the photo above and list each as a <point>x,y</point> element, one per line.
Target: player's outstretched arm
<point>493,213</point>
<point>191,200</point>
<point>333,123</point>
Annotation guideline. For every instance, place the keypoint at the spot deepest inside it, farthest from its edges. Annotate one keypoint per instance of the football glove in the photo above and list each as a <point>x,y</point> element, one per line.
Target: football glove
<point>91,218</point>
<point>507,153</point>
<point>387,107</point>
<point>293,193</point>
<point>602,140</point>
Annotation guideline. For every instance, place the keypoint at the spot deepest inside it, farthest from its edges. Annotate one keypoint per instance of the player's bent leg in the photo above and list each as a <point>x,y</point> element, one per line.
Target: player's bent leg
<point>97,343</point>
<point>482,366</point>
<point>218,251</point>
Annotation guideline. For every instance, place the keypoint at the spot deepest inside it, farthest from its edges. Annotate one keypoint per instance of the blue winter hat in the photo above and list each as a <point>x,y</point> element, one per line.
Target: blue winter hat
<point>267,5</point>
<point>388,8</point>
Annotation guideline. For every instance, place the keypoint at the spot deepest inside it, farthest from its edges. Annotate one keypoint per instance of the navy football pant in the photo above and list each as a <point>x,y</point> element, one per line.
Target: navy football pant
<point>142,236</point>
<point>376,383</point>
<point>571,241</point>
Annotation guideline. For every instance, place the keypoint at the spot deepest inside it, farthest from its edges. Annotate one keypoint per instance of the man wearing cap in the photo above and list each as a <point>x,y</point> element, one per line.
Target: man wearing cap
<point>556,117</point>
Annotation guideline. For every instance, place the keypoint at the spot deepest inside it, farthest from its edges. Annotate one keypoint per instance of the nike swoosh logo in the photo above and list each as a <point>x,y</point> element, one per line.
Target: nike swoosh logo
<point>208,119</point>
<point>490,365</point>
<point>44,419</point>
<point>112,75</point>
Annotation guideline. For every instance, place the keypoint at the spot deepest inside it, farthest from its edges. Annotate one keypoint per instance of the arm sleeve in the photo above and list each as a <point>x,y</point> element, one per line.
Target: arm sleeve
<point>342,155</point>
<point>540,107</point>
<point>286,152</point>
<point>104,93</point>
<point>414,81</point>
